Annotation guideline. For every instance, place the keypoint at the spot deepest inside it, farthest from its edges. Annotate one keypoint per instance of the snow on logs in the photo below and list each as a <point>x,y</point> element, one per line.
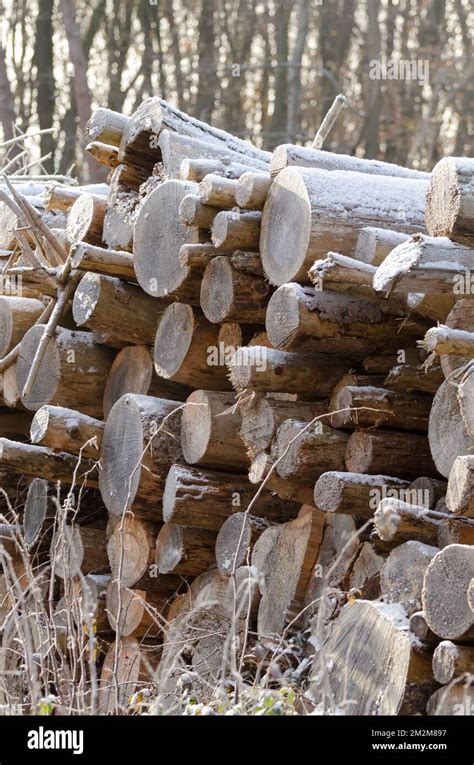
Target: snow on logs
<point>319,211</point>
<point>288,155</point>
<point>426,265</point>
<point>341,323</point>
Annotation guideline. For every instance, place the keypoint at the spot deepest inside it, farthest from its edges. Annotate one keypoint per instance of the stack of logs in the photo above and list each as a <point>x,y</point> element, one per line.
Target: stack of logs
<point>251,376</point>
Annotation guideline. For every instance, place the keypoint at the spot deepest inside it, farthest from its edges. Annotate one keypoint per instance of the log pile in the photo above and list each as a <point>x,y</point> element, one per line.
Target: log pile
<point>238,407</point>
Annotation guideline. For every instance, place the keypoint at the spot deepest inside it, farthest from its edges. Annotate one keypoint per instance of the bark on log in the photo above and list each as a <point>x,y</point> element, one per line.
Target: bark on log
<point>86,257</point>
<point>179,151</point>
<point>447,432</point>
<point>140,443</point>
<point>435,307</point>
<point>460,493</point>
<point>40,462</point>
<point>402,576</point>
<point>155,115</point>
<point>247,261</point>
<point>17,315</point>
<point>231,295</point>
<point>390,453</point>
<point>236,231</point>
<point>133,372</point>
<point>210,432</point>
<point>338,273</point>
<point>105,304</point>
<point>367,407</point>
<point>374,244</point>
<point>159,236</point>
<point>72,372</point>
<point>426,265</point>
<point>456,531</point>
<point>262,469</point>
<point>303,454</point>
<point>184,550</point>
<point>450,200</point>
<point>445,592</point>
<point>252,190</point>
<point>354,493</point>
<point>397,521</point>
<point>107,126</point>
<point>262,415</point>
<point>67,430</point>
<point>61,198</point>
<point>357,326</point>
<point>205,499</point>
<point>306,205</point>
<point>235,541</point>
<point>187,350</point>
<point>308,375</point>
<point>370,641</point>
<point>86,219</point>
<point>197,169</point>
<point>287,155</point>
<point>410,377</point>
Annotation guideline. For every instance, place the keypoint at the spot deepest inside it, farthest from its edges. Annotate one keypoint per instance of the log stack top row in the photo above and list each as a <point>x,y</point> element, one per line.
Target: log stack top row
<point>252,375</point>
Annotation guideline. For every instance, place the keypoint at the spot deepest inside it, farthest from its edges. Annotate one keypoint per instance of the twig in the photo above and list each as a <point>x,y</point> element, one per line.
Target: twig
<point>20,138</point>
<point>36,161</point>
<point>326,126</point>
<point>36,220</point>
<point>59,308</point>
<point>14,160</point>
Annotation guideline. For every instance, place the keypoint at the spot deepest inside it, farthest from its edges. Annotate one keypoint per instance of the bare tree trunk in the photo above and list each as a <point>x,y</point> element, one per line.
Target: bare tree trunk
<point>7,108</point>
<point>373,90</point>
<point>208,85</point>
<point>45,83</point>
<point>82,94</point>
<point>294,73</point>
